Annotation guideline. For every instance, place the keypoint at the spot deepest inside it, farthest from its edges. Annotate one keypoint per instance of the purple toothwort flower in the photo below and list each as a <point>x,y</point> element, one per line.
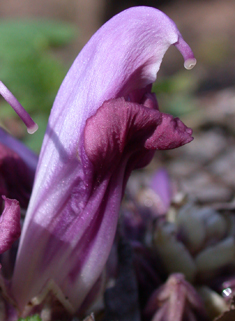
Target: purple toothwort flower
<point>104,123</point>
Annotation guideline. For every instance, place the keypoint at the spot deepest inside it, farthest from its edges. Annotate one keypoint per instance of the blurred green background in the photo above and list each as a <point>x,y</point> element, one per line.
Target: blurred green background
<point>30,69</point>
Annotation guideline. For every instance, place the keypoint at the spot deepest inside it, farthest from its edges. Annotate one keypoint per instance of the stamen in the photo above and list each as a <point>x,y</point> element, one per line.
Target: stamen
<point>18,108</point>
<point>190,63</point>
<point>186,51</point>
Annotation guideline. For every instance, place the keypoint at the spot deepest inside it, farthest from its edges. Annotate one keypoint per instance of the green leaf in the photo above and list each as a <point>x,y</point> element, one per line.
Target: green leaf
<point>27,65</point>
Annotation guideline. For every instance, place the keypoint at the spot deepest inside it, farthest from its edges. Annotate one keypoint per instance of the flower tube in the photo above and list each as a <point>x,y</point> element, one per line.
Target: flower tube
<point>104,123</point>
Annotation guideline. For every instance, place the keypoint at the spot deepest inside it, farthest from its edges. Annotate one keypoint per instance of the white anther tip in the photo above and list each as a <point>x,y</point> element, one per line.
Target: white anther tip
<point>190,63</point>
<point>32,129</point>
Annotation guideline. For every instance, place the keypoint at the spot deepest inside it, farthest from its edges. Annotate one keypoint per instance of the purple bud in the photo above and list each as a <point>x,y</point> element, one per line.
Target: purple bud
<point>176,300</point>
<point>161,185</point>
<point>9,224</point>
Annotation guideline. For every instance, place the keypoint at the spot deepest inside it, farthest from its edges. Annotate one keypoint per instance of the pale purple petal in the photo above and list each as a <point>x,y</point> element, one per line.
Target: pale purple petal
<point>9,224</point>
<point>161,185</point>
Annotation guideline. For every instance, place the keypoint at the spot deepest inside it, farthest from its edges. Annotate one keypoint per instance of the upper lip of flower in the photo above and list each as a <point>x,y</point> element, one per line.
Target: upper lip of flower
<point>69,222</point>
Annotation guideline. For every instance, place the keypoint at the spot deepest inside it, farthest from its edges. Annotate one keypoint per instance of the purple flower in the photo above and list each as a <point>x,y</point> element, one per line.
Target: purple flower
<point>104,123</point>
<point>9,224</point>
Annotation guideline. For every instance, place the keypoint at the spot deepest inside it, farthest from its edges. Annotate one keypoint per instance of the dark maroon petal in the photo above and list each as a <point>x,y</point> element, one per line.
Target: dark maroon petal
<point>16,178</point>
<point>121,129</point>
<point>171,133</point>
<point>9,224</point>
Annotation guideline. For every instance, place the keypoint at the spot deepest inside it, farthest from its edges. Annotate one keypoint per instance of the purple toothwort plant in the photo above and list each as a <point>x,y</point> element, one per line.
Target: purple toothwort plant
<point>104,123</point>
